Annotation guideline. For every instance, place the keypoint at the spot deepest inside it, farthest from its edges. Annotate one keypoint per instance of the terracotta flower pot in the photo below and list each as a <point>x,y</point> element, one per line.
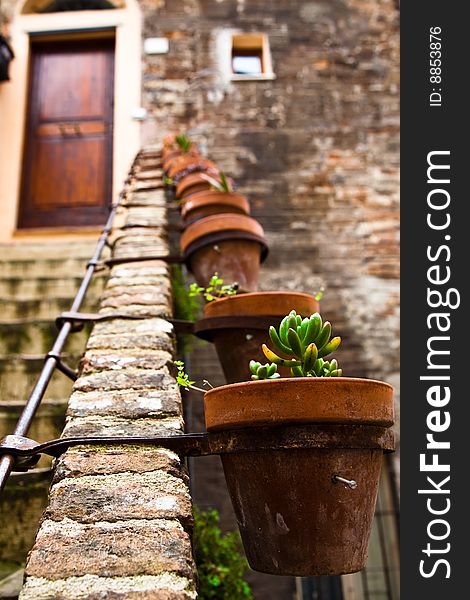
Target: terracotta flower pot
<point>193,183</point>
<point>212,202</point>
<point>171,156</point>
<point>183,165</point>
<point>238,326</point>
<point>294,517</point>
<point>228,244</point>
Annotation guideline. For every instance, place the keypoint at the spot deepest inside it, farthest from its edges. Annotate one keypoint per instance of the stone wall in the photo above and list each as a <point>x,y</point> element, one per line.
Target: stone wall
<point>119,519</point>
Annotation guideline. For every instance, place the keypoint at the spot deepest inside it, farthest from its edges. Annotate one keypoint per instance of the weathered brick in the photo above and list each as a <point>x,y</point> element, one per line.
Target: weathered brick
<point>166,586</point>
<point>119,326</point>
<point>82,460</point>
<point>129,378</point>
<point>126,403</point>
<point>152,341</point>
<point>119,426</point>
<point>110,549</point>
<point>149,495</point>
<point>144,295</point>
<point>99,360</point>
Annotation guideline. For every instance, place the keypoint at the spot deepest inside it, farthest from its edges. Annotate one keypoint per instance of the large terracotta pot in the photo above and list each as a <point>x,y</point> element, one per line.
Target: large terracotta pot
<point>238,326</point>
<point>212,202</point>
<point>193,183</point>
<point>295,518</point>
<point>228,244</point>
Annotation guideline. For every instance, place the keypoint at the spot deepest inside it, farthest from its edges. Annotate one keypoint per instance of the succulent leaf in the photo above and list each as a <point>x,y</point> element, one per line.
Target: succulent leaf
<point>324,335</point>
<point>330,347</point>
<point>278,344</point>
<point>294,342</point>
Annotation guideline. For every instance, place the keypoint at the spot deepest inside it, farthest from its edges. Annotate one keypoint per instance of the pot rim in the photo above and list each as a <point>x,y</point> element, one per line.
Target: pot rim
<point>191,179</point>
<point>214,197</point>
<point>317,380</point>
<point>219,223</point>
<point>346,400</point>
<point>220,306</point>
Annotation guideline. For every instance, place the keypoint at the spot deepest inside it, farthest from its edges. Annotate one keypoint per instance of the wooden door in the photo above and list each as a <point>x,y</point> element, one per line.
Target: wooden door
<point>67,171</point>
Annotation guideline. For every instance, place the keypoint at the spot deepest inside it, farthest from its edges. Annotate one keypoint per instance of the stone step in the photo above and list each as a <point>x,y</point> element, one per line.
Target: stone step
<point>19,374</point>
<point>41,309</point>
<point>47,423</point>
<point>10,586</point>
<point>21,505</point>
<point>44,267</point>
<point>46,286</point>
<point>28,251</point>
<point>37,337</point>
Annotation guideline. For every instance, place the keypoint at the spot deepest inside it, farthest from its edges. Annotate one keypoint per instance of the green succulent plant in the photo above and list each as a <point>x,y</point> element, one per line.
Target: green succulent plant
<point>183,142</point>
<point>215,289</point>
<point>307,342</point>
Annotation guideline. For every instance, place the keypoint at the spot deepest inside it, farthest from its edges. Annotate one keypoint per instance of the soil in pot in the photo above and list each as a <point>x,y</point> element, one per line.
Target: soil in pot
<point>294,519</point>
<point>238,326</point>
<point>229,244</point>
<point>212,202</point>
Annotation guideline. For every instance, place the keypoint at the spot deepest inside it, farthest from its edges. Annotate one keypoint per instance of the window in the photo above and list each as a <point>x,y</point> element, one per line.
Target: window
<point>53,6</point>
<point>251,58</point>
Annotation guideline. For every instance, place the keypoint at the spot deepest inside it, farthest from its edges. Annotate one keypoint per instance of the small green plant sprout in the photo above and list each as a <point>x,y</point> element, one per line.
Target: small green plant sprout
<point>167,181</point>
<point>259,371</point>
<point>319,294</point>
<point>307,341</point>
<point>225,184</point>
<point>182,378</point>
<point>183,142</point>
<point>215,289</point>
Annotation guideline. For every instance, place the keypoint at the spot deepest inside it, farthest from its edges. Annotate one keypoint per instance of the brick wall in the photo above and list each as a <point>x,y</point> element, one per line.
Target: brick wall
<point>119,519</point>
<point>315,150</point>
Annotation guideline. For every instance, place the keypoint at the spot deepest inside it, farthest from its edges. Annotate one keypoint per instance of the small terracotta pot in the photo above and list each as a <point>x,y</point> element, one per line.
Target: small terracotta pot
<point>294,518</point>
<point>230,245</point>
<point>193,183</point>
<point>183,165</point>
<point>238,325</point>
<point>213,202</point>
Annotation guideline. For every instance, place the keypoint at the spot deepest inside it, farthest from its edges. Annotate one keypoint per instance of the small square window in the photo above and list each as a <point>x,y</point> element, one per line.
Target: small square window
<point>250,56</point>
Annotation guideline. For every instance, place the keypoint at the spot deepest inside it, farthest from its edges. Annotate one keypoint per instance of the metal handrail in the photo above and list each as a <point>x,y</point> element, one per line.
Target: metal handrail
<point>53,357</point>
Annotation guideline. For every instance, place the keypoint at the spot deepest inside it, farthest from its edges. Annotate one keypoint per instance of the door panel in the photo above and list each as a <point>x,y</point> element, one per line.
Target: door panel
<point>67,172</point>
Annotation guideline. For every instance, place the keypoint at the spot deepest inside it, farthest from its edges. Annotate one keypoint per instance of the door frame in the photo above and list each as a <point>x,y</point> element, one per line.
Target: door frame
<point>126,23</point>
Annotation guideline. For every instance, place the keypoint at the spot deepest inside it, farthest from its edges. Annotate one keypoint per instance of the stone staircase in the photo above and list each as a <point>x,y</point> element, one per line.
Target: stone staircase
<point>37,282</point>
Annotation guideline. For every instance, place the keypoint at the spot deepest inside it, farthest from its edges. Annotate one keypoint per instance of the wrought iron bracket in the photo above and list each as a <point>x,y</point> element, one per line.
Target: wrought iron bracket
<point>78,319</point>
<point>63,367</point>
<point>257,439</point>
